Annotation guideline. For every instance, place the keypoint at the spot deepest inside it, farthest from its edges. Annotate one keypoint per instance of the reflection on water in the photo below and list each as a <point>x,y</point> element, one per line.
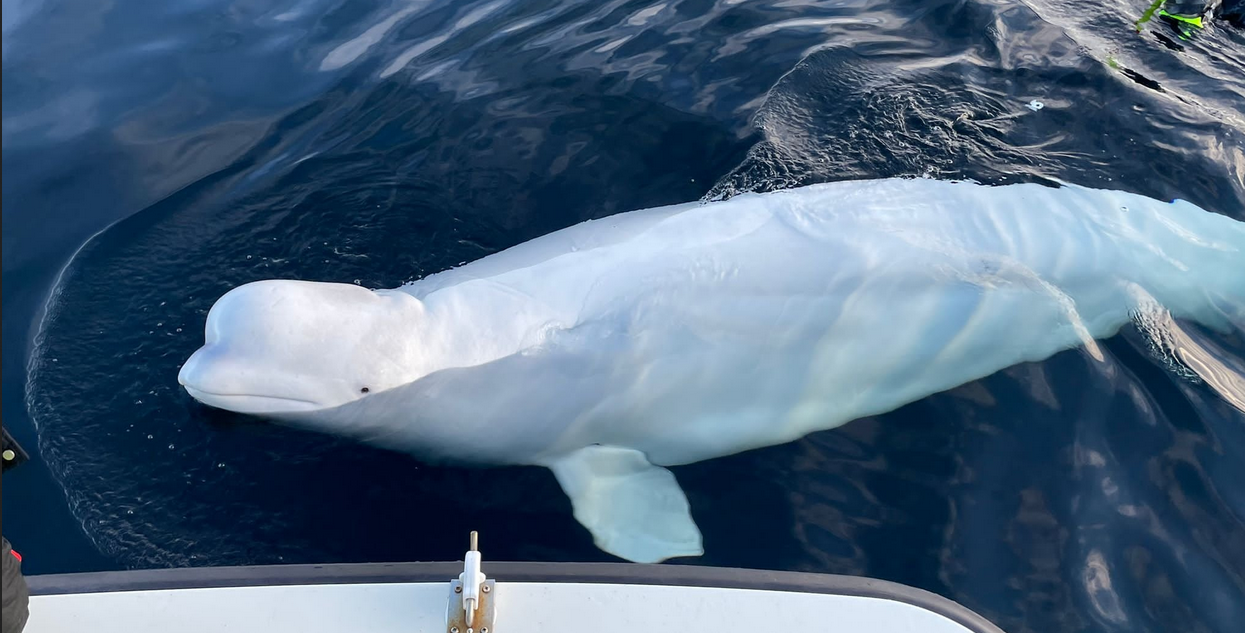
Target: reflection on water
<point>220,142</point>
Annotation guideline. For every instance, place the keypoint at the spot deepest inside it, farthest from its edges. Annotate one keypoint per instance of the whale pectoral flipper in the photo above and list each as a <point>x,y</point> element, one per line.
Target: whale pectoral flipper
<point>634,509</point>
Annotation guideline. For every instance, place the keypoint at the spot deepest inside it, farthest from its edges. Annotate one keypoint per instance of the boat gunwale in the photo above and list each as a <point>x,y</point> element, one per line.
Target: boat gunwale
<point>506,572</point>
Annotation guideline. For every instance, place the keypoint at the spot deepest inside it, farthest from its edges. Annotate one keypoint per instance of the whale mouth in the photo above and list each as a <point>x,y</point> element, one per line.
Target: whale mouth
<point>251,403</point>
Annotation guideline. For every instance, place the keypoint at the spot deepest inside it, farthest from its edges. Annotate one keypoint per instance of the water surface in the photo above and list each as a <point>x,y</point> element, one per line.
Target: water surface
<point>156,156</point>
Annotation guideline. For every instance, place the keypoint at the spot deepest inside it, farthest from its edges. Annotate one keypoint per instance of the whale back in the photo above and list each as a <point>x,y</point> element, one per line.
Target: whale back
<point>1056,232</point>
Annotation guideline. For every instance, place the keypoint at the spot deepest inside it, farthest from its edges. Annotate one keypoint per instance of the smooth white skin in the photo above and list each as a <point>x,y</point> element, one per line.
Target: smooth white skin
<point>287,347</point>
<point>696,331</point>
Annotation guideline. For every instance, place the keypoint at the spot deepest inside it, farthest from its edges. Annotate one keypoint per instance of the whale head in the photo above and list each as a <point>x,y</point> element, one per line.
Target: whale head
<point>290,347</point>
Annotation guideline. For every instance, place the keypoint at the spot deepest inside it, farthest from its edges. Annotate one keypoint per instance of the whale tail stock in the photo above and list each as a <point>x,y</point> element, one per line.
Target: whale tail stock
<point>1196,267</point>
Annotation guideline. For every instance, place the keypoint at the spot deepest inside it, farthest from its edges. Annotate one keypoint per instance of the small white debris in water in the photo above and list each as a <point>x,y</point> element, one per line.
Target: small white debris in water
<point>170,447</point>
<point>151,437</point>
<point>221,465</point>
<point>1035,105</point>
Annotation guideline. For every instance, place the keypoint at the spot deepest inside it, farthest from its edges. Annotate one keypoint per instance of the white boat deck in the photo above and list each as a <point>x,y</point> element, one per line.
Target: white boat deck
<point>375,599</point>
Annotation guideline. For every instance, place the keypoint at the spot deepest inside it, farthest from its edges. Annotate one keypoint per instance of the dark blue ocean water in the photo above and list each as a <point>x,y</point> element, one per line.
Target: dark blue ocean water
<point>157,154</point>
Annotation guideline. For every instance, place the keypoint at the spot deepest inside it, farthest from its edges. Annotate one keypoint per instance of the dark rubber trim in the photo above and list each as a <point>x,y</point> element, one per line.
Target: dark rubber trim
<point>604,573</point>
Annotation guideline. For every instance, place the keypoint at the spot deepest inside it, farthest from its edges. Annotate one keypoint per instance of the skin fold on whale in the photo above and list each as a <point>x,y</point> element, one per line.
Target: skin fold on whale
<point>614,348</point>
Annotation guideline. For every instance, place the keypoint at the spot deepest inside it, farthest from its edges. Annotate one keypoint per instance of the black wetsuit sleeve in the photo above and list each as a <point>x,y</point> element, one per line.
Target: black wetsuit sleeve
<point>16,597</point>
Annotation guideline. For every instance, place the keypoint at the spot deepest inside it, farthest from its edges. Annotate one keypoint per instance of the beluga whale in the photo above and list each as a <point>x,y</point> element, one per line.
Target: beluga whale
<point>618,347</point>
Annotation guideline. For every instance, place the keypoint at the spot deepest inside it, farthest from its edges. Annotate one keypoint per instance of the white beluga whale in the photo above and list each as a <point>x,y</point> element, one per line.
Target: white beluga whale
<point>614,348</point>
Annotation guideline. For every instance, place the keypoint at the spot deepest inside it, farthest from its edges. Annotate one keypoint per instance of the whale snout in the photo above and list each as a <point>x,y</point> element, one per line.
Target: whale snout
<point>289,347</point>
<point>212,378</point>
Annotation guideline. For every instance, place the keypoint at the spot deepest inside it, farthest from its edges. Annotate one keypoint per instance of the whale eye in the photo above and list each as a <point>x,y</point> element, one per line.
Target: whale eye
<point>364,390</point>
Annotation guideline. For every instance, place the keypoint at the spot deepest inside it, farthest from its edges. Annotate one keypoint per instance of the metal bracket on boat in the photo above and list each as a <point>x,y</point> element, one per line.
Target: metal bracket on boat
<point>470,608</point>
<point>12,451</point>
